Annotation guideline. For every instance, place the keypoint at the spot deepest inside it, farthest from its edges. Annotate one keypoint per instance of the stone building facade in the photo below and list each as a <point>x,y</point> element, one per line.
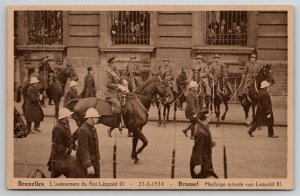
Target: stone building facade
<point>85,38</point>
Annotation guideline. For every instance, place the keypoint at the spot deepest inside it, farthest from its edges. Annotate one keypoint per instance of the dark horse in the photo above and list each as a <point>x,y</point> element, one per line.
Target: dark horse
<point>56,85</point>
<point>265,73</point>
<point>135,112</point>
<point>220,93</point>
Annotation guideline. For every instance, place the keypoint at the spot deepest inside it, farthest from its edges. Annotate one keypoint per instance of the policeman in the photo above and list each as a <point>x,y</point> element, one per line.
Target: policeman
<point>88,147</point>
<point>249,75</point>
<point>201,159</point>
<point>89,88</point>
<point>192,106</point>
<point>201,73</point>
<point>32,109</point>
<point>218,68</point>
<point>264,113</point>
<point>168,73</point>
<point>62,158</point>
<point>133,74</point>
<point>72,93</point>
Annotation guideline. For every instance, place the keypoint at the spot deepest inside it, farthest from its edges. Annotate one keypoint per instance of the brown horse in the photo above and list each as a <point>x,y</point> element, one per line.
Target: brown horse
<point>136,111</point>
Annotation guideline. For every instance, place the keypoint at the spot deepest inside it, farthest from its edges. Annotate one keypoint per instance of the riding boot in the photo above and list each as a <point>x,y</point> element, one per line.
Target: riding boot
<point>37,126</point>
<point>28,124</point>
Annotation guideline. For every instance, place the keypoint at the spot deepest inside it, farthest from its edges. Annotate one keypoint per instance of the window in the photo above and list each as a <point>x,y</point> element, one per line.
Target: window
<point>44,27</point>
<point>130,27</point>
<point>226,28</point>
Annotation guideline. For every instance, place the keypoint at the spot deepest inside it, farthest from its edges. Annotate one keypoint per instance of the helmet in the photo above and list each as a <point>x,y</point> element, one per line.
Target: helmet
<point>264,84</point>
<point>133,57</point>
<point>73,83</point>
<point>193,84</point>
<point>253,56</point>
<point>92,113</point>
<point>33,80</point>
<point>199,56</point>
<point>165,59</point>
<point>216,56</point>
<point>64,112</point>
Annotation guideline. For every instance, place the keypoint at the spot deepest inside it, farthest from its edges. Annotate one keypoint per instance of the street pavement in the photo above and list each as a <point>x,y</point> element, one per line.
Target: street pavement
<point>257,157</point>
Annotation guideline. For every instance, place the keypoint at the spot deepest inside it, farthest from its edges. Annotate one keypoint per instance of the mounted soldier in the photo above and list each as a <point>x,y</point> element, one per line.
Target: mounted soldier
<point>133,74</point>
<point>45,70</point>
<point>89,89</point>
<point>248,78</point>
<point>201,74</point>
<point>167,72</point>
<point>217,68</point>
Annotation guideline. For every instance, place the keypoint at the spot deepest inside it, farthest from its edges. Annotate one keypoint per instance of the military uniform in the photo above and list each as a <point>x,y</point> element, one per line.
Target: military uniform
<point>89,87</point>
<point>249,75</point>
<point>202,153</point>
<point>192,109</point>
<point>45,69</point>
<point>216,70</point>
<point>264,108</point>
<point>168,73</point>
<point>201,75</point>
<point>61,162</point>
<point>133,75</point>
<point>71,94</point>
<point>32,109</point>
<point>88,149</point>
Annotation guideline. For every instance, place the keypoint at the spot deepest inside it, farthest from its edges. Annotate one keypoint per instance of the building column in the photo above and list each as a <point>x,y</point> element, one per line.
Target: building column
<point>199,27</point>
<point>252,29</point>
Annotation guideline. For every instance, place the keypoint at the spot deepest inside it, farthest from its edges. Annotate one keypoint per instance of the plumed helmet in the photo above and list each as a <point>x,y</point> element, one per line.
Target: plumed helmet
<point>33,80</point>
<point>64,112</point>
<point>92,113</point>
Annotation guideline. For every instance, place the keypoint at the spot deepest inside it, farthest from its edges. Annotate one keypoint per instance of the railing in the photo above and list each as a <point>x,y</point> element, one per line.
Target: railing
<point>130,27</point>
<point>44,27</point>
<point>226,28</point>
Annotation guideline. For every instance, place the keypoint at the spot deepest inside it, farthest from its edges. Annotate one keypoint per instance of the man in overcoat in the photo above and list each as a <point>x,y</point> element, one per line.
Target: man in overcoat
<point>133,74</point>
<point>192,106</point>
<point>201,159</point>
<point>88,153</point>
<point>167,72</point>
<point>44,70</point>
<point>32,109</point>
<point>201,73</point>
<point>62,158</point>
<point>264,112</point>
<point>89,87</point>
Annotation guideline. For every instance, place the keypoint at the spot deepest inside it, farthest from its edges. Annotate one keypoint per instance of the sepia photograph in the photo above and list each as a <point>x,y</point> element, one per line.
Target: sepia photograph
<point>150,97</point>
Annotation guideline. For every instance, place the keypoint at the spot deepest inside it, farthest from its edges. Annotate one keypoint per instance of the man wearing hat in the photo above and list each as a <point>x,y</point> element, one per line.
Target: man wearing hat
<point>201,159</point>
<point>168,73</point>
<point>217,69</point>
<point>72,93</point>
<point>45,69</point>
<point>201,73</point>
<point>63,146</point>
<point>32,109</point>
<point>89,87</point>
<point>192,106</point>
<point>88,147</point>
<point>249,76</point>
<point>264,112</point>
<point>133,74</point>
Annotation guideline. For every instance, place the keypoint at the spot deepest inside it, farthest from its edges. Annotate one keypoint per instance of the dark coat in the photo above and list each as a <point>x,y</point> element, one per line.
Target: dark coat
<point>89,87</point>
<point>192,105</point>
<point>264,107</point>
<point>202,153</point>
<point>88,149</point>
<point>112,78</point>
<point>71,94</point>
<point>62,146</point>
<point>32,109</point>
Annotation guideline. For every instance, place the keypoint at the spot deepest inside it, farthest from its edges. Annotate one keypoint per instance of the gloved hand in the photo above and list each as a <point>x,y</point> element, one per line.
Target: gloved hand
<point>269,116</point>
<point>91,170</point>
<point>197,169</point>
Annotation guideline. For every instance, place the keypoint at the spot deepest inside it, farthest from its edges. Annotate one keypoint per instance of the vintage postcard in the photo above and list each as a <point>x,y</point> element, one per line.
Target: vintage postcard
<point>150,97</point>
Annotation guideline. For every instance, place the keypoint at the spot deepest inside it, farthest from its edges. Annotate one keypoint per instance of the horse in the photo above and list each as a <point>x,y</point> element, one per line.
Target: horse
<point>135,112</point>
<point>265,73</point>
<point>220,93</point>
<point>55,86</point>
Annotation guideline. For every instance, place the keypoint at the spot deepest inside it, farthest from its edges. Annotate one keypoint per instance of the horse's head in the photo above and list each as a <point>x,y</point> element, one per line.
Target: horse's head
<point>266,74</point>
<point>163,89</point>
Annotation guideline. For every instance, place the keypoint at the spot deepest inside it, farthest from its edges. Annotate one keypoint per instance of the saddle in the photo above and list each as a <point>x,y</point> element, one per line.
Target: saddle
<point>103,107</point>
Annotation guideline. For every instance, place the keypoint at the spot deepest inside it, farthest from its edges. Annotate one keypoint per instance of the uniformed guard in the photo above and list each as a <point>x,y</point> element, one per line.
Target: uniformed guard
<point>88,153</point>
<point>201,74</point>
<point>201,159</point>
<point>168,73</point>
<point>62,158</point>
<point>249,76</point>
<point>264,112</point>
<point>192,106</point>
<point>32,109</point>
<point>72,92</point>
<point>89,88</point>
<point>133,74</point>
<point>216,69</point>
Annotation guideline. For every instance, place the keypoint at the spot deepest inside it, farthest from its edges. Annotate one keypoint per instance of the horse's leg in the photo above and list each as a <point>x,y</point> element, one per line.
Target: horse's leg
<point>164,117</point>
<point>134,145</point>
<point>144,140</point>
<point>217,110</point>
<point>168,112</point>
<point>159,115</point>
<point>226,109</point>
<point>56,103</point>
<point>175,110</point>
